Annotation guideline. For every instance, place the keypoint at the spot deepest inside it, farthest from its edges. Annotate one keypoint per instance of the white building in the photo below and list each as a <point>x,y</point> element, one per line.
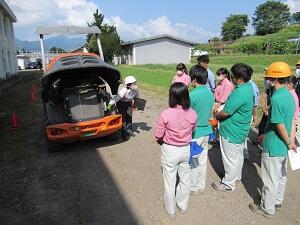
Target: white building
<point>8,55</point>
<point>23,61</point>
<point>162,49</point>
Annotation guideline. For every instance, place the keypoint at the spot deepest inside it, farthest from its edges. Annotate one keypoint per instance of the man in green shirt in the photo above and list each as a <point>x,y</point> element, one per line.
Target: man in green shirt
<point>202,101</point>
<point>277,141</point>
<point>235,121</point>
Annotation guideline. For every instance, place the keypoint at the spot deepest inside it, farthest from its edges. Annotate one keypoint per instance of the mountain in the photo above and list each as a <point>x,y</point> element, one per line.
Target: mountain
<point>58,41</point>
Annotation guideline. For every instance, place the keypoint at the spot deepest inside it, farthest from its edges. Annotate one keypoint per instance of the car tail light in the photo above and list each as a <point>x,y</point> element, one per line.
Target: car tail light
<point>56,132</point>
<point>114,122</point>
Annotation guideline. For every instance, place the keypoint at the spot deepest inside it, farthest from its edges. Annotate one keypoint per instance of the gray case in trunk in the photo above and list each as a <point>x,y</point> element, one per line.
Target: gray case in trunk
<point>85,106</point>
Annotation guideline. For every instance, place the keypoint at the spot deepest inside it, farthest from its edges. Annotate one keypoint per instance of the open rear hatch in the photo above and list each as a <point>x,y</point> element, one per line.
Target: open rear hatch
<point>76,91</point>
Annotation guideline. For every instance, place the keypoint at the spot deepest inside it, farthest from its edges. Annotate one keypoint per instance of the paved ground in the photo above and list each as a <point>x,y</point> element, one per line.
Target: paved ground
<point>113,182</point>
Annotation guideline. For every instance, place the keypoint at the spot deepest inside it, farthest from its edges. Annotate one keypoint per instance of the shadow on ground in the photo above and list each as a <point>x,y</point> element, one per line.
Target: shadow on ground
<point>140,126</point>
<point>250,177</point>
<point>72,186</point>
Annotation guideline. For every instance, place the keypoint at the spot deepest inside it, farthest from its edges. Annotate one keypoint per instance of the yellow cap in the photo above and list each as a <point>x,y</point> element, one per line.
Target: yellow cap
<point>278,70</point>
<point>298,63</point>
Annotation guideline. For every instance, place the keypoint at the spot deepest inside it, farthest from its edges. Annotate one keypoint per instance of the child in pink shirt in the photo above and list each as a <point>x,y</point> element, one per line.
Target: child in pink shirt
<point>223,89</point>
<point>291,86</point>
<point>174,128</point>
<point>182,75</point>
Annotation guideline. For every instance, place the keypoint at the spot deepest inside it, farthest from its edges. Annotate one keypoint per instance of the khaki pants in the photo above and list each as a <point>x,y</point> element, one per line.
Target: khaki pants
<point>245,144</point>
<point>274,176</point>
<point>175,160</point>
<point>199,166</point>
<point>233,160</point>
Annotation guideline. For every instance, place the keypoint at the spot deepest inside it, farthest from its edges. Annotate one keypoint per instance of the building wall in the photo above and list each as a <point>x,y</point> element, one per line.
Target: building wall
<point>161,51</point>
<point>23,62</point>
<point>8,55</point>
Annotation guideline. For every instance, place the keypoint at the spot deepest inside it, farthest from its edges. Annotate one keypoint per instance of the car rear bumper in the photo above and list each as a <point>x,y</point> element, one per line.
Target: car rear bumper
<point>71,132</point>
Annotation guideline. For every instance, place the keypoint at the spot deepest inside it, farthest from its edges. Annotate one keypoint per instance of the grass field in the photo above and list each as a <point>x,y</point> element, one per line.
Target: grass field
<point>158,77</point>
<point>291,31</point>
<point>258,41</point>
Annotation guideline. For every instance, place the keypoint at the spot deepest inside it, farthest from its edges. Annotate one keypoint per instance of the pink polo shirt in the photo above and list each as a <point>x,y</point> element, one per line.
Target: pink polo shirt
<point>296,115</point>
<point>183,78</point>
<point>223,90</point>
<point>175,126</point>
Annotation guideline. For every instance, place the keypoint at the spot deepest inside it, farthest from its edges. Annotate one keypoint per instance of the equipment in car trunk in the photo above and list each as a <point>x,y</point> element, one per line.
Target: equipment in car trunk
<point>82,104</point>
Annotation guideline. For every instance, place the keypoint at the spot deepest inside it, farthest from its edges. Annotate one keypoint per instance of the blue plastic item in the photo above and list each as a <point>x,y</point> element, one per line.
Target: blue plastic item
<point>195,149</point>
<point>212,137</point>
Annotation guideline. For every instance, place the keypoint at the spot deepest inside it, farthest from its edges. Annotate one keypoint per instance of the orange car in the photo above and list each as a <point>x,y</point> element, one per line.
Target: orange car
<point>76,88</point>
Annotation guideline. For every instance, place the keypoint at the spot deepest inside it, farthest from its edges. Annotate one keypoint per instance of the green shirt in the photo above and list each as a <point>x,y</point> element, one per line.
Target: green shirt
<point>202,101</point>
<point>239,107</point>
<point>282,109</point>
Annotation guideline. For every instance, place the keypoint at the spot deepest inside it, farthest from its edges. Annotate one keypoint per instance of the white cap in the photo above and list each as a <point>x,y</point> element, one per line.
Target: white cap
<point>203,53</point>
<point>129,80</point>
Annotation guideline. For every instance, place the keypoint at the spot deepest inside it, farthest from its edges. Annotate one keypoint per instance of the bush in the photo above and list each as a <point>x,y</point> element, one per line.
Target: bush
<point>265,47</point>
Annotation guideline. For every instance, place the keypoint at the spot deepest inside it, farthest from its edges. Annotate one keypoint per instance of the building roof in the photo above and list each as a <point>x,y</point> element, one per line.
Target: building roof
<point>8,10</point>
<point>22,56</point>
<point>158,37</point>
<point>67,30</point>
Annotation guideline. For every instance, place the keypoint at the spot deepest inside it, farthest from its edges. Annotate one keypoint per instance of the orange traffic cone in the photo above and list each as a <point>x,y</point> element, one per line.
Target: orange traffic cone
<point>15,123</point>
<point>33,98</point>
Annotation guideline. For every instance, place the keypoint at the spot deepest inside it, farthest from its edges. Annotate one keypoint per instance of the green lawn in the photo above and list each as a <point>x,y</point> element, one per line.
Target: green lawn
<point>291,31</point>
<point>158,77</point>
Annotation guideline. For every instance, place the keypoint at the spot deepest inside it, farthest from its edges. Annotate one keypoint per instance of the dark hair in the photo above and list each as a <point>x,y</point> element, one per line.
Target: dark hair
<point>203,59</point>
<point>179,95</point>
<point>293,81</point>
<point>283,80</point>
<point>242,71</point>
<point>223,71</point>
<point>181,67</point>
<point>297,88</point>
<point>198,73</point>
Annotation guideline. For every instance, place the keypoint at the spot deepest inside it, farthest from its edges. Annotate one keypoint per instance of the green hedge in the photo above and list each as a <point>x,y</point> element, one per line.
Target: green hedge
<point>265,47</point>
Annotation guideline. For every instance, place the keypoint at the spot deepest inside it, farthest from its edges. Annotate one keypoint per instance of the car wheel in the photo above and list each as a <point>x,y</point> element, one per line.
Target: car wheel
<point>53,147</point>
<point>115,136</point>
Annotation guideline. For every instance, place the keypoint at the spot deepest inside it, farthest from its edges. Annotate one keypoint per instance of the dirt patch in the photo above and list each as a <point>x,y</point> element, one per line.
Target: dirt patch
<point>108,181</point>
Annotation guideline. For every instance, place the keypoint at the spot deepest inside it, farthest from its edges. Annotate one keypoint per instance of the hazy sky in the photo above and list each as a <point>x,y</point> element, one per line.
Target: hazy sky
<point>195,20</point>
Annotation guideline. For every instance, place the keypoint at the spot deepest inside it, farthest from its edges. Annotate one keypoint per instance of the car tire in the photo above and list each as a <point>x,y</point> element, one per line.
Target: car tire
<point>53,147</point>
<point>115,136</point>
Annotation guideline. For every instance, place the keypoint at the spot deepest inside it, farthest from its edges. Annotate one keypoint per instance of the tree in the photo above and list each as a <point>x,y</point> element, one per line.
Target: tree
<point>295,18</point>
<point>270,17</point>
<point>234,27</point>
<point>109,38</point>
<point>214,39</point>
<point>55,49</point>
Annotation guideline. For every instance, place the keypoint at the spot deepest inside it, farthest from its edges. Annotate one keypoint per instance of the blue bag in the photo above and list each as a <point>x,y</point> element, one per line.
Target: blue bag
<point>212,137</point>
<point>195,149</point>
